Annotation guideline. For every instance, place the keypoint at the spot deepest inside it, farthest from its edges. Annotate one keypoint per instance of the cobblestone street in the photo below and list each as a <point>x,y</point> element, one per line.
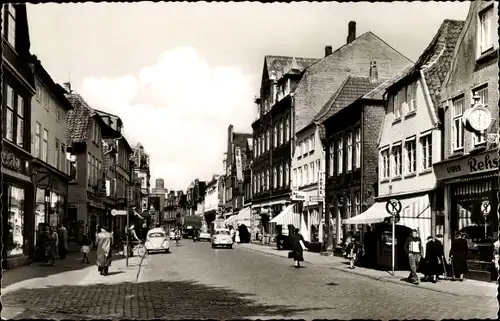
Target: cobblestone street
<point>195,281</point>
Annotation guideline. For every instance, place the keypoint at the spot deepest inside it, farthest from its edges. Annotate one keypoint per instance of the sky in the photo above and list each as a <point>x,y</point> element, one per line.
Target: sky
<point>178,74</point>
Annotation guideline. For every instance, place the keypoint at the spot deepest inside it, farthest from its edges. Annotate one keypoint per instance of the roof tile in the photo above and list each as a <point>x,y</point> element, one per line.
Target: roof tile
<point>79,120</point>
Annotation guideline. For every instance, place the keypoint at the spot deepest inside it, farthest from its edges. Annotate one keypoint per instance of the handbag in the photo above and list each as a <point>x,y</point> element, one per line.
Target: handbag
<point>290,254</point>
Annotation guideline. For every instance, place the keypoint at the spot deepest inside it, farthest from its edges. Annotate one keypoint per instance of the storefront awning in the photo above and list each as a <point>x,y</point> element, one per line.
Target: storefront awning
<point>375,214</point>
<point>287,217</point>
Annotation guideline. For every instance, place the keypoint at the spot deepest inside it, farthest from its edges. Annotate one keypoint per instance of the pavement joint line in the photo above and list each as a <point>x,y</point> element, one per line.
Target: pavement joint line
<point>378,278</point>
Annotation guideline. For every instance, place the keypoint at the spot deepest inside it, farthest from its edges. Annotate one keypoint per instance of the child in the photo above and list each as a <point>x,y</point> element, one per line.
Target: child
<point>352,251</point>
<point>86,249</point>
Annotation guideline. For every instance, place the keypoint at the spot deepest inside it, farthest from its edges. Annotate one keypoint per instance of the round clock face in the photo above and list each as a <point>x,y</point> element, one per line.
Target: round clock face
<point>480,118</point>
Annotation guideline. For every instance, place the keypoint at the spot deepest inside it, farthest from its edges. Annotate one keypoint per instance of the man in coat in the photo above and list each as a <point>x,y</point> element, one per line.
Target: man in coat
<point>458,255</point>
<point>414,249</point>
<point>103,251</point>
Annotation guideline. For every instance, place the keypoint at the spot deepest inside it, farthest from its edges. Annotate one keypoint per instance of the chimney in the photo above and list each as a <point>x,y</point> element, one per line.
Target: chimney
<point>67,86</point>
<point>351,31</point>
<point>328,51</point>
<point>230,133</point>
<point>373,71</point>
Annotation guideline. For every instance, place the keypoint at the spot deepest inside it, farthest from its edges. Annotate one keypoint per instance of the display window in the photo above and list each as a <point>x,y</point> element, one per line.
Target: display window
<point>473,214</point>
<point>15,238</point>
<point>39,211</point>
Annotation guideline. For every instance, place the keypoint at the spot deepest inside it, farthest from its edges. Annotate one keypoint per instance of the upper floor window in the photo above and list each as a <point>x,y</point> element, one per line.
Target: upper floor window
<point>349,152</point>
<point>357,148</point>
<point>397,102</point>
<point>410,149</point>
<point>312,143</point>
<point>313,172</point>
<point>301,148</point>
<point>457,128</point>
<point>411,97</point>
<point>332,156</point>
<point>299,183</point>
<point>275,177</point>
<point>280,176</point>
<point>281,133</point>
<point>340,156</point>
<point>38,139</point>
<point>396,158</point>
<point>275,136</point>
<point>286,173</point>
<point>306,174</point>
<point>11,24</point>
<point>426,151</point>
<point>318,167</point>
<point>486,30</point>
<point>295,178</point>
<point>267,141</point>
<point>306,146</point>
<point>267,179</point>
<point>56,154</point>
<point>287,128</point>
<point>385,164</point>
<point>58,114</point>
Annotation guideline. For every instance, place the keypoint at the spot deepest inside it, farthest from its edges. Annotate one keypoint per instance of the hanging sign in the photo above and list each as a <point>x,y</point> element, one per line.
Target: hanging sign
<point>239,164</point>
<point>321,184</point>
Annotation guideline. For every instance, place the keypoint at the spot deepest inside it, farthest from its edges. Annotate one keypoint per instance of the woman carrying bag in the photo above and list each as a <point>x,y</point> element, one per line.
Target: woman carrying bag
<point>298,246</point>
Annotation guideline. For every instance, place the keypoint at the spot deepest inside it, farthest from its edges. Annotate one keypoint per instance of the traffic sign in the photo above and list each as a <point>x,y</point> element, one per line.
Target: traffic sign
<point>485,207</point>
<point>393,207</point>
<point>118,212</point>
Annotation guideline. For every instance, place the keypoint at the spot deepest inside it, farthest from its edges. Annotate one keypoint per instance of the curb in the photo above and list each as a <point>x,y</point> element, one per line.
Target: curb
<point>380,278</point>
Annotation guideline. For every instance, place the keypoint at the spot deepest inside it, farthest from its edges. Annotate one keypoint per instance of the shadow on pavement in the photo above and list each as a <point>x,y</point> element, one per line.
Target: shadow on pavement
<point>158,299</point>
<point>72,262</point>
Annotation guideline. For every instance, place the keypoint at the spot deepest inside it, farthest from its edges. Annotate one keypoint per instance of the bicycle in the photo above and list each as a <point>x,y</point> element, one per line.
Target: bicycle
<point>140,248</point>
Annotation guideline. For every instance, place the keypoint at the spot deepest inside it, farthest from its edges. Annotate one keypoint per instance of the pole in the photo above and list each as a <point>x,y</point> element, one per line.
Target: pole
<point>128,239</point>
<point>393,219</point>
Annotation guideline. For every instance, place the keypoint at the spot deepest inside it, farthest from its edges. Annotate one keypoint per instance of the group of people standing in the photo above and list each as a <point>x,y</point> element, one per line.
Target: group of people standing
<point>54,243</point>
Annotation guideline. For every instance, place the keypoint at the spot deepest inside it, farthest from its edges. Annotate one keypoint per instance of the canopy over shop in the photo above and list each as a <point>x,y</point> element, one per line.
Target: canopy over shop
<point>287,217</point>
<point>414,213</point>
<point>243,217</point>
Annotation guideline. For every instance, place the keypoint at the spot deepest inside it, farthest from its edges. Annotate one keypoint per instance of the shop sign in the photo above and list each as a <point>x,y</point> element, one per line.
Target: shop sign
<point>468,165</point>
<point>11,161</point>
<point>321,183</point>
<point>94,197</point>
<point>298,196</point>
<point>239,164</point>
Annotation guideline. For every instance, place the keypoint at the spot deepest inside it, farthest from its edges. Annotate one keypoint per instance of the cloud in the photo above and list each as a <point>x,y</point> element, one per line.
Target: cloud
<point>179,109</point>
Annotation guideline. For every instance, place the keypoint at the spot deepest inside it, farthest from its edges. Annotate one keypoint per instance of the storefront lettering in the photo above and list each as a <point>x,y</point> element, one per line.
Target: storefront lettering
<point>481,165</point>
<point>454,169</point>
<point>11,161</point>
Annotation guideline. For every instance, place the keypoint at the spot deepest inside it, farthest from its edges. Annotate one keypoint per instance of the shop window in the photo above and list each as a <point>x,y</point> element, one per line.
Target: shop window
<point>15,242</point>
<point>457,140</point>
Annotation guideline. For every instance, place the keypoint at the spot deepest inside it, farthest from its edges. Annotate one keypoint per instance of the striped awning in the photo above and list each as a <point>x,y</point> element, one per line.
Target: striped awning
<point>375,214</point>
<point>287,217</point>
<point>416,214</point>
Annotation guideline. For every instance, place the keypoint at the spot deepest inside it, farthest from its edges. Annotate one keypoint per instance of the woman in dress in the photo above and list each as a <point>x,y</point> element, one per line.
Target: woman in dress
<point>103,251</point>
<point>458,255</point>
<point>51,243</point>
<point>297,245</point>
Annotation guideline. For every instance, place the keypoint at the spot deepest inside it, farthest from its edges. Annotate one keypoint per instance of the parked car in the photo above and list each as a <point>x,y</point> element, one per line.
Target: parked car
<point>204,235</point>
<point>222,237</point>
<point>157,241</point>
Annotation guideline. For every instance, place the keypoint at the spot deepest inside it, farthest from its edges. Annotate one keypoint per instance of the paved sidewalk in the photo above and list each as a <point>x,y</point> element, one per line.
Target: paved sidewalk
<point>465,288</point>
<point>70,272</point>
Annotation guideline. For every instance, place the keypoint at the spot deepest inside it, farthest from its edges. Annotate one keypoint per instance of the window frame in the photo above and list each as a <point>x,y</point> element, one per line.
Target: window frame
<point>306,174</point>
<point>340,155</point>
<point>38,140</point>
<point>11,28</point>
<point>424,159</point>
<point>349,145</point>
<point>45,145</point>
<point>481,37</point>
<point>357,148</point>
<point>385,163</point>
<point>457,126</point>
<point>20,114</point>
<point>397,170</point>
<point>410,164</point>
<point>331,170</point>
<point>57,160</point>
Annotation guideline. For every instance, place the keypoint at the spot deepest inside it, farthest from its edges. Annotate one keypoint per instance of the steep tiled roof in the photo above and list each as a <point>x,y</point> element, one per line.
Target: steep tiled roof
<point>324,77</point>
<point>435,61</point>
<point>352,89</point>
<point>78,119</point>
<point>279,63</point>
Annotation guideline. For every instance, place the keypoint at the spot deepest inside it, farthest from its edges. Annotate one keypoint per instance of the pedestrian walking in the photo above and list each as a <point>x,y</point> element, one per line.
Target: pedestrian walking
<point>298,247</point>
<point>63,241</point>
<point>458,256</point>
<point>85,249</point>
<point>232,233</point>
<point>413,247</point>
<point>433,264</point>
<point>237,237</point>
<point>103,251</point>
<point>352,250</point>
<point>51,243</point>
